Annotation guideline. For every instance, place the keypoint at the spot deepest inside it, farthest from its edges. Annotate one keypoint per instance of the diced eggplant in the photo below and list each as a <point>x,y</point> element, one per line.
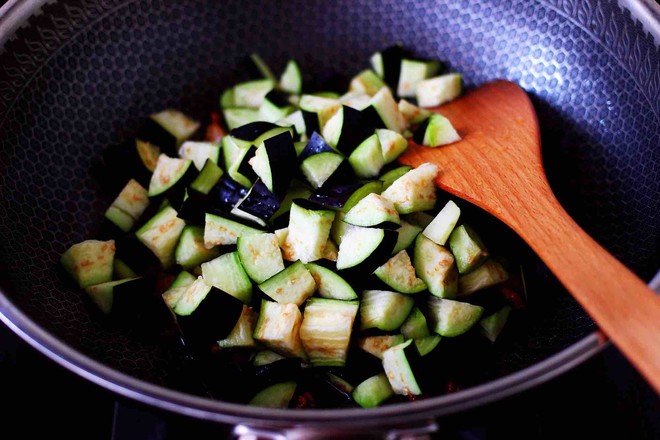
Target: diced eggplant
<point>392,144</point>
<point>415,190</point>
<point>435,132</point>
<point>326,330</point>
<point>129,206</point>
<point>399,273</point>
<point>190,250</point>
<point>438,90</point>
<point>207,314</point>
<point>260,256</point>
<point>278,395</point>
<point>291,79</point>
<point>241,334</point>
<point>435,265</point>
<point>293,285</point>
<point>133,159</point>
<point>387,64</point>
<point>373,211</point>
<point>275,162</point>
<point>346,130</point>
<point>297,190</point>
<point>171,178</point>
<point>251,94</point>
<point>492,325</point>
<point>377,344</point>
<point>319,168</point>
<point>316,144</point>
<point>488,274</point>
<point>412,114</point>
<point>309,229</point>
<point>238,116</point>
<point>452,318</point>
<point>412,72</point>
<point>367,82</point>
<point>200,152</point>
<point>260,202</point>
<point>443,224</point>
<point>222,231</point>
<point>278,328</point>
<point>314,108</point>
<point>407,235</point>
<point>345,196</point>
<point>275,106</point>
<point>178,287</point>
<point>402,367</point>
<point>227,274</point>
<point>167,129</point>
<point>89,262</point>
<point>249,132</point>
<point>161,234</point>
<point>207,178</point>
<point>388,111</point>
<point>226,194</point>
<point>468,248</point>
<point>330,284</point>
<point>373,391</point>
<point>135,254</point>
<point>367,158</point>
<point>384,309</point>
<point>365,248</point>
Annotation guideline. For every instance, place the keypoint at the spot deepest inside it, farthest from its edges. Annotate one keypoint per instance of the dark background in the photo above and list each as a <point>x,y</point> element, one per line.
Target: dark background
<point>603,398</point>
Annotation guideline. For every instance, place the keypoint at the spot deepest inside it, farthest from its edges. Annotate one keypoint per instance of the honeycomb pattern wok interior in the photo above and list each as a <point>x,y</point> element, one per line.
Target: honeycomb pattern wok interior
<point>80,75</point>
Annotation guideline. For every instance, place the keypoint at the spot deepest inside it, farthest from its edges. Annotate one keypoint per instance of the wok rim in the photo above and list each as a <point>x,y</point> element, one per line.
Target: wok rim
<point>13,14</point>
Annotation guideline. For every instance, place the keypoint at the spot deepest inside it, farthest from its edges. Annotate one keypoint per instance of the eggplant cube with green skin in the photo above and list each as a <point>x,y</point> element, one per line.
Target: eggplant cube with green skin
<point>384,309</point>
<point>278,328</point>
<point>373,211</point>
<point>227,274</point>
<point>435,265</point>
<point>435,132</point>
<point>366,82</point>
<point>492,325</point>
<point>293,285</point>
<point>452,318</point>
<point>260,255</point>
<point>90,262</point>
<point>326,330</point>
<point>488,274</point>
<point>161,235</point>
<point>377,344</point>
<point>438,90</point>
<point>241,334</point>
<point>399,370</point>
<point>413,114</point>
<point>129,205</point>
<point>373,391</point>
<point>392,144</point>
<point>443,224</point>
<point>399,273</point>
<point>415,190</point>
<point>309,230</point>
<point>468,248</point>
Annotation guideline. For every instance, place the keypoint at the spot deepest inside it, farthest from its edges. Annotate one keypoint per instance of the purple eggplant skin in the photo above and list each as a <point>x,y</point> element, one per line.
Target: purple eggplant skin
<point>353,130</point>
<point>392,57</point>
<point>316,144</point>
<point>420,131</point>
<point>136,255</point>
<point>336,196</point>
<point>245,168</point>
<point>281,370</point>
<point>278,98</point>
<point>121,162</point>
<point>282,161</point>
<point>213,319</point>
<point>310,205</point>
<point>225,194</point>
<point>311,122</point>
<point>138,306</point>
<point>193,208</point>
<point>260,202</point>
<point>371,119</point>
<point>150,131</point>
<point>377,258</point>
<point>252,130</point>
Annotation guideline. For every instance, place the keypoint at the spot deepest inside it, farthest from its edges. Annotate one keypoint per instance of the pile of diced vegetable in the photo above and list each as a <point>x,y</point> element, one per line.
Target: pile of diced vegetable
<point>293,234</point>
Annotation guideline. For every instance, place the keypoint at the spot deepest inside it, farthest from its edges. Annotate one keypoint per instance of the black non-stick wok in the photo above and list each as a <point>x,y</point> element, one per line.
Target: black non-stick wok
<point>76,76</point>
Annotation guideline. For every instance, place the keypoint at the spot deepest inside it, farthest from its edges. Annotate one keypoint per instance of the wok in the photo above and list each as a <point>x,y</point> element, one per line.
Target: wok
<point>77,76</point>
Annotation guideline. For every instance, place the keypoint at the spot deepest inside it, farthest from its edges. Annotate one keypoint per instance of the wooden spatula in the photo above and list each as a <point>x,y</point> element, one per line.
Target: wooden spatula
<point>497,166</point>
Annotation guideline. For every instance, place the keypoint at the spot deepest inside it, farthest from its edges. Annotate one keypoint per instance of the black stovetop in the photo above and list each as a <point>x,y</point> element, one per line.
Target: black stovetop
<point>603,398</point>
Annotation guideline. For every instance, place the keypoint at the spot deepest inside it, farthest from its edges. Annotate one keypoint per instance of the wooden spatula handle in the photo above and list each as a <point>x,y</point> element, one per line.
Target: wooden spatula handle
<point>624,307</point>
